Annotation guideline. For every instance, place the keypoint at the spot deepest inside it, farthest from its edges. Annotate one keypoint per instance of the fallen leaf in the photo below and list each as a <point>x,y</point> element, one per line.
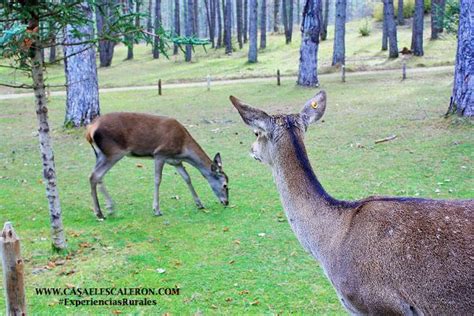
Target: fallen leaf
<point>116,312</point>
<point>139,165</point>
<point>226,229</point>
<point>256,302</point>
<point>244,292</point>
<point>261,235</point>
<point>231,261</point>
<point>60,262</point>
<point>229,299</point>
<point>213,306</point>
<point>161,270</point>
<point>70,286</point>
<point>237,242</point>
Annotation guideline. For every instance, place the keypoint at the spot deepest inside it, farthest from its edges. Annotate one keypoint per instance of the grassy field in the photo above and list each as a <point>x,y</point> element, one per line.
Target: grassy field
<point>362,53</point>
<point>217,257</point>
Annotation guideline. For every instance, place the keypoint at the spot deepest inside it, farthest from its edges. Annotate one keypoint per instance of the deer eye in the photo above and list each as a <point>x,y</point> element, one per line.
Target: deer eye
<point>256,133</point>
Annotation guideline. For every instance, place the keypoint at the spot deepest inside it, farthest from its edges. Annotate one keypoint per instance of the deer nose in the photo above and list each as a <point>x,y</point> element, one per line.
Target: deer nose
<point>225,202</point>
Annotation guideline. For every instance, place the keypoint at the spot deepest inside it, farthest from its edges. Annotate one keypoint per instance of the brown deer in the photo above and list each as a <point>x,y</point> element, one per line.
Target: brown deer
<point>164,139</point>
<point>383,255</point>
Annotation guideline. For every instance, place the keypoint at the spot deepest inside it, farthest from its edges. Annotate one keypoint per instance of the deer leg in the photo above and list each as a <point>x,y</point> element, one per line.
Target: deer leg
<point>109,203</point>
<point>185,175</point>
<point>102,165</point>
<point>159,163</point>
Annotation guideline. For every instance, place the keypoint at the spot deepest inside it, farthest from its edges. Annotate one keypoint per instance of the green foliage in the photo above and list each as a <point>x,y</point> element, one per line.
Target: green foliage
<point>408,9</point>
<point>365,28</point>
<point>451,16</point>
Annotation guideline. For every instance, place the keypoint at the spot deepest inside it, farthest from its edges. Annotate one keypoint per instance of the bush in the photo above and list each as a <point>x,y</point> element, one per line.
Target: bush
<point>408,9</point>
<point>364,28</point>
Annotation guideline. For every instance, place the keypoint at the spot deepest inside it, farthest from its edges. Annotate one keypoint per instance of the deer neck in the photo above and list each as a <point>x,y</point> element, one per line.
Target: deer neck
<point>198,158</point>
<point>314,216</point>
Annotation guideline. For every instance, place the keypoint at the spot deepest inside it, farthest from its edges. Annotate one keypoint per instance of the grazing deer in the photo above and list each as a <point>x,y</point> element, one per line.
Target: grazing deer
<point>383,255</point>
<point>164,139</point>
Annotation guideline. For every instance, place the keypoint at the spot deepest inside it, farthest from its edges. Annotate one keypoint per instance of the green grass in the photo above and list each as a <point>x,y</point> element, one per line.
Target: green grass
<point>362,53</point>
<point>431,157</point>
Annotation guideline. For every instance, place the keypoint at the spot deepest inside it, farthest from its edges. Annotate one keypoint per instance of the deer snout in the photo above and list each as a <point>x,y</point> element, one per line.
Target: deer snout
<point>225,202</point>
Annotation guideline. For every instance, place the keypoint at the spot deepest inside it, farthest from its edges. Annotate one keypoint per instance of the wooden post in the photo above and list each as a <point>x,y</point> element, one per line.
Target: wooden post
<point>278,77</point>
<point>343,72</point>
<point>159,86</point>
<point>208,82</point>
<point>12,272</point>
<point>404,69</point>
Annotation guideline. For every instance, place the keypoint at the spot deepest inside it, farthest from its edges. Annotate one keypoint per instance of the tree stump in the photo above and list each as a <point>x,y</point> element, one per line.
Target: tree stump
<point>12,271</point>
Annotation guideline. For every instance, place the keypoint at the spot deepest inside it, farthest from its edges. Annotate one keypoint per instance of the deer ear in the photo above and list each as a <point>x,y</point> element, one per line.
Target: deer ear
<point>253,117</point>
<point>314,108</point>
<point>218,160</point>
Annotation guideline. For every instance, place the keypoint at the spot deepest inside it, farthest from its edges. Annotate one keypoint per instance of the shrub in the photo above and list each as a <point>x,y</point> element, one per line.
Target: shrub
<point>364,28</point>
<point>408,9</point>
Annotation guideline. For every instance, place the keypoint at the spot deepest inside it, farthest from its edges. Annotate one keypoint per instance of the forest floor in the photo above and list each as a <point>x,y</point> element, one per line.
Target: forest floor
<point>239,259</point>
<point>362,54</point>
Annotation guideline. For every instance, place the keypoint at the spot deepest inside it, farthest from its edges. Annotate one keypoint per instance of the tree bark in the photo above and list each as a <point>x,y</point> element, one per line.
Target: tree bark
<point>287,16</point>
<point>177,25</point>
<point>339,51</point>
<point>196,17</point>
<point>384,30</point>
<point>263,24</point>
<point>252,56</point>
<point>276,22</point>
<point>52,49</point>
<point>219,23</point>
<point>389,16</point>
<point>437,17</point>
<point>325,19</point>
<point>13,272</point>
<point>228,27</point>
<point>310,30</point>
<point>149,20</point>
<point>239,23</point>
<point>400,17</point>
<point>189,28</point>
<point>82,92</point>
<point>417,29</point>
<point>128,8</point>
<point>290,20</point>
<point>103,19</point>
<point>462,99</point>
<point>157,25</point>
<point>245,29</point>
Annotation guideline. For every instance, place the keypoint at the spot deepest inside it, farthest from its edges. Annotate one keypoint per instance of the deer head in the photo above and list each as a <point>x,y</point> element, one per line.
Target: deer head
<point>270,129</point>
<point>218,180</point>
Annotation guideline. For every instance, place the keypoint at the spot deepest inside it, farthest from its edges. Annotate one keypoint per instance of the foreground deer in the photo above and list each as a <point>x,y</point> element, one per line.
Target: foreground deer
<point>383,255</point>
<point>164,139</point>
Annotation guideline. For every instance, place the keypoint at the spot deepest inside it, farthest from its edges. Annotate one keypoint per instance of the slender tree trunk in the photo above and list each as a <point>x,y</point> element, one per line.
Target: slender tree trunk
<point>462,99</point>
<point>400,17</point>
<point>128,8</point>
<point>290,20</point>
<point>239,23</point>
<point>196,17</point>
<point>149,20</point>
<point>245,29</point>
<point>284,18</point>
<point>210,20</point>
<point>103,19</point>
<point>417,30</point>
<point>389,16</point>
<point>263,24</point>
<point>219,23</point>
<point>325,19</point>
<point>157,25</point>
<point>437,17</point>
<point>52,49</point>
<point>177,25</point>
<point>384,30</point>
<point>339,51</point>
<point>298,11</point>
<point>228,27</point>
<point>310,30</point>
<point>276,22</point>
<point>189,28</point>
<point>253,5</point>
<point>82,93</point>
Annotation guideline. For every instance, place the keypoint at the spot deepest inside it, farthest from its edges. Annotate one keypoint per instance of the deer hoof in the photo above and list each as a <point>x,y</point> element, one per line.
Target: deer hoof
<point>199,205</point>
<point>158,213</point>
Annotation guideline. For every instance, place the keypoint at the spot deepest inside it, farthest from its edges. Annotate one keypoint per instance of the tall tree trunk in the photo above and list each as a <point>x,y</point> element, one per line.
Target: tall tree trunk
<point>310,30</point>
<point>157,25</point>
<point>437,17</point>
<point>400,17</point>
<point>339,51</point>
<point>128,7</point>
<point>82,93</point>
<point>219,23</point>
<point>245,29</point>
<point>284,18</point>
<point>389,17</point>
<point>252,56</point>
<point>417,29</point>
<point>290,19</point>
<point>52,49</point>
<point>189,28</point>
<point>384,30</point>
<point>47,155</point>
<point>239,23</point>
<point>210,20</point>
<point>196,17</point>
<point>462,99</point>
<point>149,20</point>
<point>287,16</point>
<point>103,19</point>
<point>276,22</point>
<point>177,25</point>
<point>228,27</point>
<point>325,19</point>
<point>263,24</point>
<point>298,11</point>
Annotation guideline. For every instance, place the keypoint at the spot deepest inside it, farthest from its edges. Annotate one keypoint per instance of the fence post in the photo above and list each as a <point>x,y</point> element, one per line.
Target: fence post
<point>12,271</point>
<point>343,72</point>
<point>404,69</point>
<point>159,86</point>
<point>208,82</point>
<point>278,77</point>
